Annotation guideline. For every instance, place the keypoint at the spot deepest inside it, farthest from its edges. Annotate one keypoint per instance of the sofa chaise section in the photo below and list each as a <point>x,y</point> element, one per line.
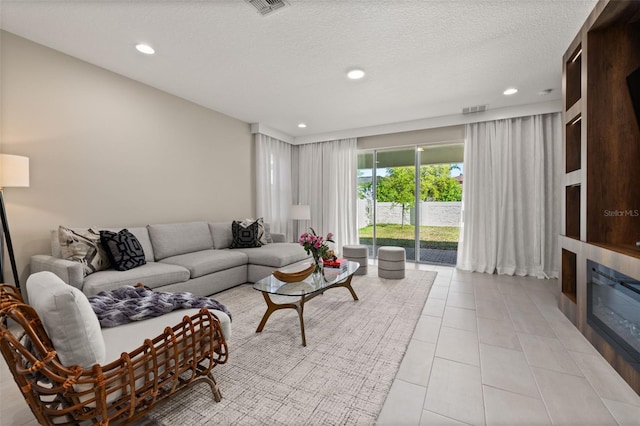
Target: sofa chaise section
<point>264,260</point>
<point>261,261</point>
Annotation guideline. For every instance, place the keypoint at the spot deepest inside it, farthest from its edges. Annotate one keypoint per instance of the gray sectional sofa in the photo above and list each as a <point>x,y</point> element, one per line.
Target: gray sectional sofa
<point>192,256</point>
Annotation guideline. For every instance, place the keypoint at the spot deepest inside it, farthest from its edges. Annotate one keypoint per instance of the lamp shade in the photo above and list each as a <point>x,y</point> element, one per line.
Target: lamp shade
<point>14,171</point>
<point>300,212</point>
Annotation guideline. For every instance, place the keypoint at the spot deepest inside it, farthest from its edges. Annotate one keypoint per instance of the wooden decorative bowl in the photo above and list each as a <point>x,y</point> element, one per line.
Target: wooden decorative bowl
<point>294,277</point>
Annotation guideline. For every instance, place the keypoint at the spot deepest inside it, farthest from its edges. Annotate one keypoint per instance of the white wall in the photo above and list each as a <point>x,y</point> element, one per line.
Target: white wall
<point>432,213</point>
<point>109,151</point>
<point>440,213</point>
<point>417,137</point>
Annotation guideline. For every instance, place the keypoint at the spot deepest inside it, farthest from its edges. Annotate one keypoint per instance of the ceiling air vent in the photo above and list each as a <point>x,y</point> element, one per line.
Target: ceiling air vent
<point>265,7</point>
<point>471,109</point>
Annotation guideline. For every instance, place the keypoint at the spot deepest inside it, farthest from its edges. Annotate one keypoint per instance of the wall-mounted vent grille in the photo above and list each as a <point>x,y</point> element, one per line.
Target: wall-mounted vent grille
<point>471,109</point>
<point>265,7</point>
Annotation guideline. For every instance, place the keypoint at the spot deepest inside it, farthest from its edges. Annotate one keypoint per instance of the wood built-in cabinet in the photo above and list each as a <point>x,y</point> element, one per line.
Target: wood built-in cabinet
<point>601,185</point>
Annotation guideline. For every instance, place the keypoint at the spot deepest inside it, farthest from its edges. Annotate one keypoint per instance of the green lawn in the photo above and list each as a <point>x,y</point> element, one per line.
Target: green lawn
<point>440,237</point>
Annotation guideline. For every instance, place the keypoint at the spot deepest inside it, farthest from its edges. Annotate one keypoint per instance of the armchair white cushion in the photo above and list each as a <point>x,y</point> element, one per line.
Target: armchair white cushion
<point>68,319</point>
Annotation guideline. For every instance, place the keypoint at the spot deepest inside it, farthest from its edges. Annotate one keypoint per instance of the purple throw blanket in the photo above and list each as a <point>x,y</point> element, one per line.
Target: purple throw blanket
<point>128,303</point>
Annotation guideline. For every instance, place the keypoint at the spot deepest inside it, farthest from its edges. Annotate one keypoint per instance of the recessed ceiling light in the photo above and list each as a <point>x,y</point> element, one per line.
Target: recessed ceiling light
<point>510,91</point>
<point>145,48</point>
<point>355,74</point>
<point>302,125</point>
<point>545,92</point>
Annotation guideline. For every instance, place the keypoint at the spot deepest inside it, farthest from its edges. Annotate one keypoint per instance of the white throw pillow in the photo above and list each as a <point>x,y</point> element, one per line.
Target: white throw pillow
<point>68,319</point>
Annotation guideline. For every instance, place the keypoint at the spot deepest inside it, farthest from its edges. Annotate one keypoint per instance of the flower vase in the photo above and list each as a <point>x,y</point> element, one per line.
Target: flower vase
<point>319,271</point>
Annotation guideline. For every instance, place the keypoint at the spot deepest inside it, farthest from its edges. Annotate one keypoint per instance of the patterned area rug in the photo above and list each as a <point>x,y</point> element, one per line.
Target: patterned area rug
<point>342,376</point>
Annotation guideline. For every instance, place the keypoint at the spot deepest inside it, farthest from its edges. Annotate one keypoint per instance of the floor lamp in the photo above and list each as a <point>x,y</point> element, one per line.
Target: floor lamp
<point>300,212</point>
<point>14,172</point>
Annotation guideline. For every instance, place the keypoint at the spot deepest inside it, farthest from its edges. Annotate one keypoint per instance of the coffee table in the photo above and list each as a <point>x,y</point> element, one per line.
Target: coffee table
<point>306,290</point>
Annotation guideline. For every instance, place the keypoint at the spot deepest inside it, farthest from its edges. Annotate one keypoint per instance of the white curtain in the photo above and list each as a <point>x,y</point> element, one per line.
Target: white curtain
<point>327,182</point>
<point>273,182</point>
<point>511,204</point>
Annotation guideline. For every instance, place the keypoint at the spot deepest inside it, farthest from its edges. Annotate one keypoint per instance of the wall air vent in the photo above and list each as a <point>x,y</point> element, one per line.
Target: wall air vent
<point>265,7</point>
<point>471,109</point>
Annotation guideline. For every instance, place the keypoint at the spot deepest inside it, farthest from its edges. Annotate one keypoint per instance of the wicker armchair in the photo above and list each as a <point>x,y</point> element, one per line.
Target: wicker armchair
<point>118,392</point>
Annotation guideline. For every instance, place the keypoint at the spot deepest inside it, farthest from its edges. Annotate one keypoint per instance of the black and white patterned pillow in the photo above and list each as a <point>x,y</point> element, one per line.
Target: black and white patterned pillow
<point>83,247</point>
<point>123,248</point>
<point>263,237</point>
<point>245,236</point>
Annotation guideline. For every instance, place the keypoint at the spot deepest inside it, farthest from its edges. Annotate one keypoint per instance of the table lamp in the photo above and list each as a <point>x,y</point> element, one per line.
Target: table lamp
<point>300,212</point>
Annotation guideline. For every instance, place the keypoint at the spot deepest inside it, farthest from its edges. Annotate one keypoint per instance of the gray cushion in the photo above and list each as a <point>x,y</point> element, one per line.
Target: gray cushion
<point>207,285</point>
<point>153,274</point>
<point>278,237</point>
<point>205,262</point>
<point>179,238</point>
<point>222,234</point>
<point>275,255</point>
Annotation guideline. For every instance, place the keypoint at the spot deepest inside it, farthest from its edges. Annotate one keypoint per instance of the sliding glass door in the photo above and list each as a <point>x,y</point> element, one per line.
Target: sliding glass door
<point>440,202</point>
<point>410,198</point>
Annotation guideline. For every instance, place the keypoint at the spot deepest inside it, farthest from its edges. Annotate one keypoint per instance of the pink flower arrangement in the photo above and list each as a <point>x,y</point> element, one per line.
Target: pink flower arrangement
<point>315,244</point>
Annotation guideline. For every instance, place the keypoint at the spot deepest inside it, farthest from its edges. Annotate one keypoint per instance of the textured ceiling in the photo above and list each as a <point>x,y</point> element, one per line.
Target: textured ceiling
<point>423,58</point>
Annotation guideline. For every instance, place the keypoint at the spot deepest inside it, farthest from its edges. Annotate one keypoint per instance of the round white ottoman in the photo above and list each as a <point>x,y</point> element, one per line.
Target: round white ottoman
<point>391,262</point>
<point>357,253</point>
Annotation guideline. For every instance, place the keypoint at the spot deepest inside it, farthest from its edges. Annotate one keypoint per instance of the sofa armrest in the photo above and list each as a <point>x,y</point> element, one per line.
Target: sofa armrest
<point>278,237</point>
<point>69,271</point>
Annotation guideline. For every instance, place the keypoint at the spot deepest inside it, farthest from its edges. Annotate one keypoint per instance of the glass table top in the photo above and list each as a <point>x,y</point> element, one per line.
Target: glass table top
<point>310,285</point>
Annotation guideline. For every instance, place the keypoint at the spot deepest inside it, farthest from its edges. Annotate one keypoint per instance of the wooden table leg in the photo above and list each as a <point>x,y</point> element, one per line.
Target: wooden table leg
<point>300,314</point>
<point>272,307</point>
<point>299,305</point>
<point>347,284</point>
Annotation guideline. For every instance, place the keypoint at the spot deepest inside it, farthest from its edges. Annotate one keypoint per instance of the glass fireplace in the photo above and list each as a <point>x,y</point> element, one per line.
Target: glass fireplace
<point>613,309</point>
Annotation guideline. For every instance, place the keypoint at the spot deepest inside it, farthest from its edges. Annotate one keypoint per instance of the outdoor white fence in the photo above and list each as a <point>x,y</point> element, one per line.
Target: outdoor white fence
<point>432,213</point>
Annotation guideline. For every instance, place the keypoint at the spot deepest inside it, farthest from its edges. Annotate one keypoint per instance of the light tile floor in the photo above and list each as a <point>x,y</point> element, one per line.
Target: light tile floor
<point>487,349</point>
<point>496,350</point>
